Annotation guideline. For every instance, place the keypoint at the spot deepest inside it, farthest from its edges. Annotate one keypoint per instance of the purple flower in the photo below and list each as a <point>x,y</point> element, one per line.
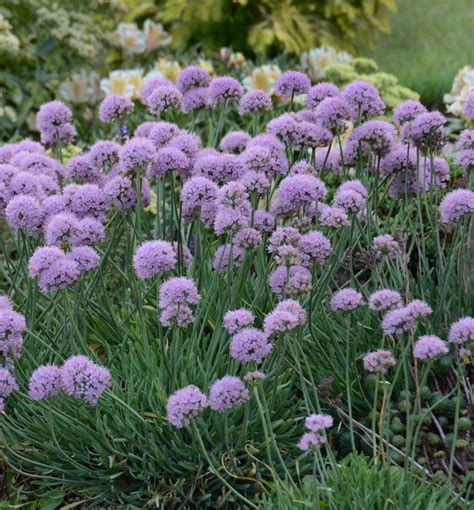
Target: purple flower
<point>456,204</point>
<point>386,245</point>
<point>220,168</point>
<point>162,133</point>
<point>302,168</point>
<point>187,142</point>
<point>154,257</point>
<point>462,331</point>
<point>113,108</point>
<point>222,258</point>
<point>293,281</point>
<point>195,193</point>
<point>164,98</point>
<point>469,107</point>
<point>318,422</point>
<point>333,113</point>
<point>426,131</point>
<point>346,300</point>
<point>45,382</point>
<point>8,383</point>
<point>42,259</point>
<point>293,307</point>
<point>178,291</point>
<point>195,99</point>
<point>379,361</point>
<point>54,123</point>
<point>418,308</point>
<point>283,236</point>
<point>137,153</point>
<point>233,195</point>
<point>224,88</point>
<point>254,101</point>
<point>12,326</point>
<point>363,100</point>
<point>309,135</point>
<point>235,142</point>
<point>278,160</point>
<point>264,221</point>
<point>60,229</point>
<point>311,441</point>
<point>152,85</point>
<point>104,155</point>
<point>256,158</point>
<point>5,303</point>
<point>169,159</point>
<point>25,183</point>
<point>85,257</point>
<point>143,129</point>
<point>88,231</point>
<point>314,247</point>
<point>227,393</point>
<point>236,320</point>
<point>465,159</point>
<point>250,344</point>
<point>24,211</point>
<point>296,193</point>
<point>319,92</point>
<point>184,405</point>
<point>377,135</point>
<point>62,273</point>
<point>279,322</point>
<point>351,196</point>
<point>82,378</point>
<point>429,347</point>
<point>81,168</point>
<point>248,238</point>
<point>177,295</point>
<point>86,200</point>
<point>406,111</point>
<point>292,83</point>
<point>120,191</point>
<point>284,127</point>
<point>334,217</point>
<point>398,321</point>
<point>192,77</point>
<point>385,300</point>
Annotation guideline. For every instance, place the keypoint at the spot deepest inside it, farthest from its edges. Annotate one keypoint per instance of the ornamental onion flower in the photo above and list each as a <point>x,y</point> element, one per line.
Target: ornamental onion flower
<point>379,361</point>
<point>113,108</point>
<point>384,300</point>
<point>429,347</point>
<point>83,379</point>
<point>250,344</point>
<point>154,257</point>
<point>462,331</point>
<point>227,393</point>
<point>184,405</point>
<point>346,300</point>
<point>45,382</point>
<point>456,204</point>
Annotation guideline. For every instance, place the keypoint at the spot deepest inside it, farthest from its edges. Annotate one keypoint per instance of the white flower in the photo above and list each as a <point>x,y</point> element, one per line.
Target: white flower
<point>463,85</point>
<point>123,83</point>
<point>315,61</point>
<point>155,35</point>
<point>263,78</point>
<point>80,88</point>
<point>206,65</point>
<point>168,69</point>
<point>130,38</point>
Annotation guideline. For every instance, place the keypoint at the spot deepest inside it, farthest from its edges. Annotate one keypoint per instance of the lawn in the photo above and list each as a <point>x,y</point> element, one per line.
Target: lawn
<point>429,41</point>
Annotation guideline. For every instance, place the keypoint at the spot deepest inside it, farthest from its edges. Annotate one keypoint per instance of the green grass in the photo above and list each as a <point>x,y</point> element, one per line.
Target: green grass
<point>429,41</point>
